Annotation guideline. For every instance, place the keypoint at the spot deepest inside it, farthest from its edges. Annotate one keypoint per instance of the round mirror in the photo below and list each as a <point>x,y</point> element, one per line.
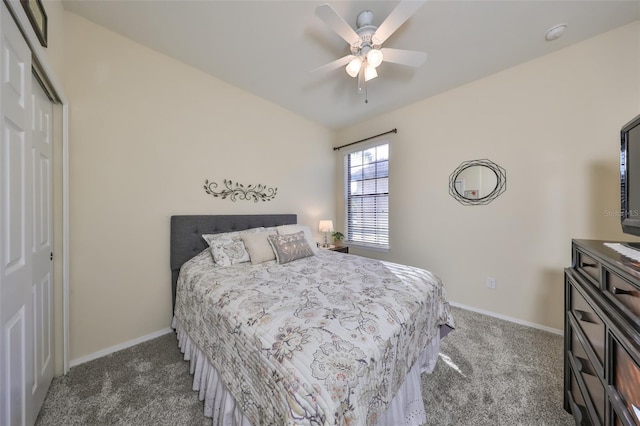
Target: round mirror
<point>477,182</point>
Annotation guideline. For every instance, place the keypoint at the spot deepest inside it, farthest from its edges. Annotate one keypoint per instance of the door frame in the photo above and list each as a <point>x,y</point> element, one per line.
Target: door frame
<point>41,62</point>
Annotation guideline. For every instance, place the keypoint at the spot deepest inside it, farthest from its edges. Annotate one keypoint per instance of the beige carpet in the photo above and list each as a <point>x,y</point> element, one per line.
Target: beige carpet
<point>490,372</point>
<point>494,372</point>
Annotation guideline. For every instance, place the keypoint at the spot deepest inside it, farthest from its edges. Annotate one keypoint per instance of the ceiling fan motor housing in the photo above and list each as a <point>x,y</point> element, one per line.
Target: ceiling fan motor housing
<point>365,32</point>
<point>364,18</point>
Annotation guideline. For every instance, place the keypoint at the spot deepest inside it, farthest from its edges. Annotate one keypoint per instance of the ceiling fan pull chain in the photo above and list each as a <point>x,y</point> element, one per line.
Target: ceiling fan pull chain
<point>366,93</point>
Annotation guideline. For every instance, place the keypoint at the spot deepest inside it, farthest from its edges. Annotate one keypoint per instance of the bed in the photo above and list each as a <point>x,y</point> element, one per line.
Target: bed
<point>329,338</point>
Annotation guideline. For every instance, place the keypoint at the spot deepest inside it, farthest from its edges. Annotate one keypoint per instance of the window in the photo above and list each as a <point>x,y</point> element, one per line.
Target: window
<point>367,196</point>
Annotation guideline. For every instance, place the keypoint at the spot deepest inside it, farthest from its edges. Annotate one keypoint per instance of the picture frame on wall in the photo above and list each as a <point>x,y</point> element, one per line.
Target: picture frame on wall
<point>38,18</point>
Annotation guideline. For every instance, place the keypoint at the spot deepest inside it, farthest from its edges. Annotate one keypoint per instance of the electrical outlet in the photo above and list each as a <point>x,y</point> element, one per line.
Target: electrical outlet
<point>491,283</point>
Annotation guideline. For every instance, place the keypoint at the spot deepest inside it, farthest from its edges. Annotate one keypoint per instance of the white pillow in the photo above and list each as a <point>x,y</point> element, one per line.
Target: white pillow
<point>227,248</point>
<point>258,246</point>
<point>292,229</point>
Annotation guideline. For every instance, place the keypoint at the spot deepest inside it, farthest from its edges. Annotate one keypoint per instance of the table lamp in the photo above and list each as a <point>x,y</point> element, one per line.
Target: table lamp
<point>326,226</point>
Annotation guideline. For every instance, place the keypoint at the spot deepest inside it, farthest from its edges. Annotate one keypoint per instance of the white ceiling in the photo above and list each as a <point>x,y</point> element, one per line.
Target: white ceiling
<point>269,47</point>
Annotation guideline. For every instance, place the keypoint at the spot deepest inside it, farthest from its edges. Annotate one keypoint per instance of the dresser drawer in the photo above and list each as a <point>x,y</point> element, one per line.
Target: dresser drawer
<point>578,403</point>
<point>588,321</point>
<point>625,419</point>
<point>625,380</point>
<point>623,293</point>
<point>588,266</point>
<point>618,421</point>
<point>587,372</point>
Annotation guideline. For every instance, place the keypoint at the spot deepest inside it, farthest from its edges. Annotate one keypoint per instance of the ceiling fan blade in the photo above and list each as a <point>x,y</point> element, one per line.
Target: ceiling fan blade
<point>335,64</point>
<point>337,23</point>
<point>403,57</point>
<point>396,18</point>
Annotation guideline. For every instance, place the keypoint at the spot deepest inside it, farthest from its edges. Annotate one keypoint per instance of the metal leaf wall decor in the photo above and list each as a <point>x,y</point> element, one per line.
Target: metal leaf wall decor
<point>237,191</point>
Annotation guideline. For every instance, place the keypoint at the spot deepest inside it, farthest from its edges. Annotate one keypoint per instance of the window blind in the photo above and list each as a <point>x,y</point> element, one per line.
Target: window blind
<point>367,193</point>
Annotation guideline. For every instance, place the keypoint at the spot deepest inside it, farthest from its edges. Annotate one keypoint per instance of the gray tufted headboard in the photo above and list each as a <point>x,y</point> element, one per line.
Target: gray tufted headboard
<point>186,234</point>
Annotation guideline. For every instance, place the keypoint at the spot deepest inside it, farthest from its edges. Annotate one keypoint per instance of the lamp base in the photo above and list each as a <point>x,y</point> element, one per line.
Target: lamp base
<point>326,240</point>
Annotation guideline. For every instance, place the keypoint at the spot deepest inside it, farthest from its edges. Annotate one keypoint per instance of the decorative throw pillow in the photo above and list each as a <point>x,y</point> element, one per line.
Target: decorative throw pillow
<point>258,246</point>
<point>227,248</point>
<point>290,247</point>
<point>292,229</point>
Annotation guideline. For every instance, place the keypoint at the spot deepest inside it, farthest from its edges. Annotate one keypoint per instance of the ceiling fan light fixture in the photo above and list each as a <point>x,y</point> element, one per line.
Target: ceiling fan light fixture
<point>365,42</point>
<point>353,67</point>
<point>369,72</point>
<point>374,57</point>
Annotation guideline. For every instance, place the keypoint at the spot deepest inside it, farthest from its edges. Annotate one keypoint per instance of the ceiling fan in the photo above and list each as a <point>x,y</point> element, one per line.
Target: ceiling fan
<point>366,41</point>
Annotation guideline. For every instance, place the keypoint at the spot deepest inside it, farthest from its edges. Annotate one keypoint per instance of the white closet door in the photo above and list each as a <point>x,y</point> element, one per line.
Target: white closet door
<point>16,227</point>
<point>42,290</point>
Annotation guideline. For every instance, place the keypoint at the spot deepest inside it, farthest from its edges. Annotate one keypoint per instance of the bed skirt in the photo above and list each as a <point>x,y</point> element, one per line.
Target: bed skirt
<point>406,408</point>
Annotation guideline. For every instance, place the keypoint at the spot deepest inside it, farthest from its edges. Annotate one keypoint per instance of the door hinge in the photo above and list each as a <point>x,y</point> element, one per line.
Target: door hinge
<point>51,256</point>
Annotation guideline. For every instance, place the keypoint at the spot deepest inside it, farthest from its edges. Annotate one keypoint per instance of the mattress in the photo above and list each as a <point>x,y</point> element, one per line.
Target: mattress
<point>328,339</point>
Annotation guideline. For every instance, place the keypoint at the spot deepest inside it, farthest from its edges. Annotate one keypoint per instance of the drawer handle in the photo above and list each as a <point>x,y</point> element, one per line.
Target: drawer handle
<point>584,316</point>
<point>577,413</point>
<point>589,265</point>
<point>583,366</point>
<point>616,290</point>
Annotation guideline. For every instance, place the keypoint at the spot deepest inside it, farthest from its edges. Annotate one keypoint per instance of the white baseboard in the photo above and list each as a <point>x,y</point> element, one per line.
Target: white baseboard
<point>506,318</point>
<point>164,331</point>
<point>119,347</point>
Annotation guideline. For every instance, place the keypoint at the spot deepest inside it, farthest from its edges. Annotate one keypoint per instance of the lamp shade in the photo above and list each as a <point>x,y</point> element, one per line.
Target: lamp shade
<point>369,73</point>
<point>374,57</point>
<point>353,68</point>
<point>325,226</point>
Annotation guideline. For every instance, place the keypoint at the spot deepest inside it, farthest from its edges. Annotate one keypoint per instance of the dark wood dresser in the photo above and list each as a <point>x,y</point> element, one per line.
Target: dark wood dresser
<point>602,336</point>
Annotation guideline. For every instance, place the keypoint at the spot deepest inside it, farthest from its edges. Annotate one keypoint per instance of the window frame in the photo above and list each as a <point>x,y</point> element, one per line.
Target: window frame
<point>345,163</point>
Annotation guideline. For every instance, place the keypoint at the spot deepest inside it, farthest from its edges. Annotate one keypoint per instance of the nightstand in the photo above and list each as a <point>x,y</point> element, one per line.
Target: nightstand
<point>341,249</point>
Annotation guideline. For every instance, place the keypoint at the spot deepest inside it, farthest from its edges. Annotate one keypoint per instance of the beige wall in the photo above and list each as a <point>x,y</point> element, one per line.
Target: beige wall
<point>553,124</point>
<point>146,131</point>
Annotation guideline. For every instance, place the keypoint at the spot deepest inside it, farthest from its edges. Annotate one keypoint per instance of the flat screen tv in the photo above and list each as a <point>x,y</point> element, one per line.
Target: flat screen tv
<point>630,178</point>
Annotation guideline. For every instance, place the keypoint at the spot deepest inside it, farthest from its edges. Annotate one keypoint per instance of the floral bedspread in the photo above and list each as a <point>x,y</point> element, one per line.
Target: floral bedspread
<point>322,340</point>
